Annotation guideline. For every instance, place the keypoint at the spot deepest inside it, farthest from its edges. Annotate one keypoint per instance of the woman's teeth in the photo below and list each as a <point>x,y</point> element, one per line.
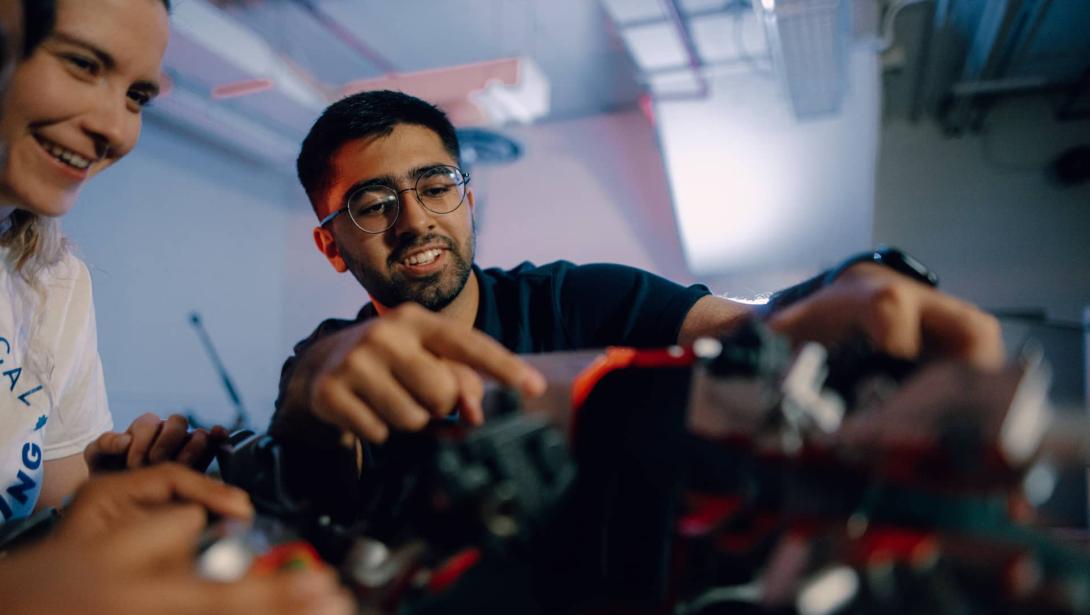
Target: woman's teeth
<point>422,258</point>
<point>68,157</point>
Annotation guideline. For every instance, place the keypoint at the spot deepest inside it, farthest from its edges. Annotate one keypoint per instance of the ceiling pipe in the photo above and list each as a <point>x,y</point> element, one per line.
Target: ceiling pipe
<point>205,26</point>
<point>353,42</point>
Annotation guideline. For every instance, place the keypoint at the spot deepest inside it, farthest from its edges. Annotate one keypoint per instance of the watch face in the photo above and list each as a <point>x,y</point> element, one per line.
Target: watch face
<point>902,262</point>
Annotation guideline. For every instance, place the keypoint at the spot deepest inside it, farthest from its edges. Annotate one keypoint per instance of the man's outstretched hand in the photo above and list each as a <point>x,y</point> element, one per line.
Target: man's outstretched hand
<point>897,315</point>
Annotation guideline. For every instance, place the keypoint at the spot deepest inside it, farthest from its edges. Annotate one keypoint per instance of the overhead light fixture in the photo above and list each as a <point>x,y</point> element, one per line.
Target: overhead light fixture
<point>807,39</point>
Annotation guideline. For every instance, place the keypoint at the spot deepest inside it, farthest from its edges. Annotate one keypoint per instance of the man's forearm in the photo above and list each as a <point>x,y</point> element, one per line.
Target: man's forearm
<point>712,316</point>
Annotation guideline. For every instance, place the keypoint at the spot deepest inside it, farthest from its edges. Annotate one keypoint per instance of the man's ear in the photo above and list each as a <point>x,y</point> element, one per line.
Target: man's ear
<point>323,240</point>
<point>470,199</point>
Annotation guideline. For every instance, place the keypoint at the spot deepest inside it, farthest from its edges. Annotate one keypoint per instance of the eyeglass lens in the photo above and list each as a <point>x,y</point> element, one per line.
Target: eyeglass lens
<point>440,190</point>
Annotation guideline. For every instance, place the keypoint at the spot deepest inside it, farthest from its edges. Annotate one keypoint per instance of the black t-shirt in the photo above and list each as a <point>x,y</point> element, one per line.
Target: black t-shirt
<point>561,306</point>
<point>528,309</point>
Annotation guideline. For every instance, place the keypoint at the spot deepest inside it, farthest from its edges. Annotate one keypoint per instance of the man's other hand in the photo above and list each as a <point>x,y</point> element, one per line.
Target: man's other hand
<point>897,315</point>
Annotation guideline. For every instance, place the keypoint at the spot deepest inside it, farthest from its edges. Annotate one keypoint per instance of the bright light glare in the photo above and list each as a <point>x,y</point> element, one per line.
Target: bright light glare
<point>755,189</point>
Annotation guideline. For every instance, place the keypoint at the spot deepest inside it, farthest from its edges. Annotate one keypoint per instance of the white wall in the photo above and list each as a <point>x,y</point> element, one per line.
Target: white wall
<point>758,190</point>
<point>979,210</point>
<point>586,190</point>
<point>175,227</point>
<point>312,290</point>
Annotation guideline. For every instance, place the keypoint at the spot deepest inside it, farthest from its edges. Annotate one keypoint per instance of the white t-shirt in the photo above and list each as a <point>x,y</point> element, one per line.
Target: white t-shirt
<point>52,393</point>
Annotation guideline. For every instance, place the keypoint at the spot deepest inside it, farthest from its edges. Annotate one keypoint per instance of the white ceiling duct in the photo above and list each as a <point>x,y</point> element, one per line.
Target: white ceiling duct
<point>240,47</point>
<point>222,125</point>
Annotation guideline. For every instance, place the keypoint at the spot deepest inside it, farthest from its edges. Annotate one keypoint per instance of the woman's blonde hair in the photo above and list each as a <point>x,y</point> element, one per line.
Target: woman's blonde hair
<point>33,243</point>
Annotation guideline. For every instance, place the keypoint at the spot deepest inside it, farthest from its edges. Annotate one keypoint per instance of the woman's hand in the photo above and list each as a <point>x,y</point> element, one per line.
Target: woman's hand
<point>151,440</point>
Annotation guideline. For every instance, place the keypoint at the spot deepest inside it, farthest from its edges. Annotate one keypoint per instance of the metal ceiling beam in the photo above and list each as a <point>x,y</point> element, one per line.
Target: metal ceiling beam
<point>1006,29</point>
<point>673,12</point>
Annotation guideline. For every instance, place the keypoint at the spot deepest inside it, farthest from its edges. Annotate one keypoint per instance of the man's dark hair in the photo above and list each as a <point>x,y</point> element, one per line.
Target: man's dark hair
<point>361,116</point>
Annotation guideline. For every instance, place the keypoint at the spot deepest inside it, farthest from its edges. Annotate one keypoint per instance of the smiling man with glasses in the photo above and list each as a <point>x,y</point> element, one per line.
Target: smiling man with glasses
<point>416,267</point>
<point>381,170</point>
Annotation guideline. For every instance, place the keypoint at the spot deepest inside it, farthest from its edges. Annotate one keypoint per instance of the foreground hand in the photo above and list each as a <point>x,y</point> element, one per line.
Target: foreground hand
<point>408,366</point>
<point>898,315</point>
<point>110,502</point>
<point>147,567</point>
<point>151,440</point>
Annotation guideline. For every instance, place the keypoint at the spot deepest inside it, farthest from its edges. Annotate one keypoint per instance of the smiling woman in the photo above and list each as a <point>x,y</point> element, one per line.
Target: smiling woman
<point>74,106</point>
<point>71,109</point>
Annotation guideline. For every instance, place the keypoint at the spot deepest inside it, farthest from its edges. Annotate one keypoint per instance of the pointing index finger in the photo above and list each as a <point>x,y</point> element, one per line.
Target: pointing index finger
<point>479,351</point>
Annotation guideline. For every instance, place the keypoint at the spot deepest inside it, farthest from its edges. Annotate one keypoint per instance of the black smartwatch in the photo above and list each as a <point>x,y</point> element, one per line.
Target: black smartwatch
<point>897,260</point>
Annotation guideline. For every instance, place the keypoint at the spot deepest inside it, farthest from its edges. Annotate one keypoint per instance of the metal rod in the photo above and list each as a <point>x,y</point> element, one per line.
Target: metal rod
<point>242,419</point>
<point>674,13</point>
<point>998,86</point>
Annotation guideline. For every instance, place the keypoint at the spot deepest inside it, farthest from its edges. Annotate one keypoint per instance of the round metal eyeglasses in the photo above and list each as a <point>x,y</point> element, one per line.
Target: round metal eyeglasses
<point>375,208</point>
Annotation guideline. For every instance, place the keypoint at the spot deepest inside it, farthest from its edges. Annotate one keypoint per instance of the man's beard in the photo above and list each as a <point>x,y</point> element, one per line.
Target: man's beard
<point>435,292</point>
